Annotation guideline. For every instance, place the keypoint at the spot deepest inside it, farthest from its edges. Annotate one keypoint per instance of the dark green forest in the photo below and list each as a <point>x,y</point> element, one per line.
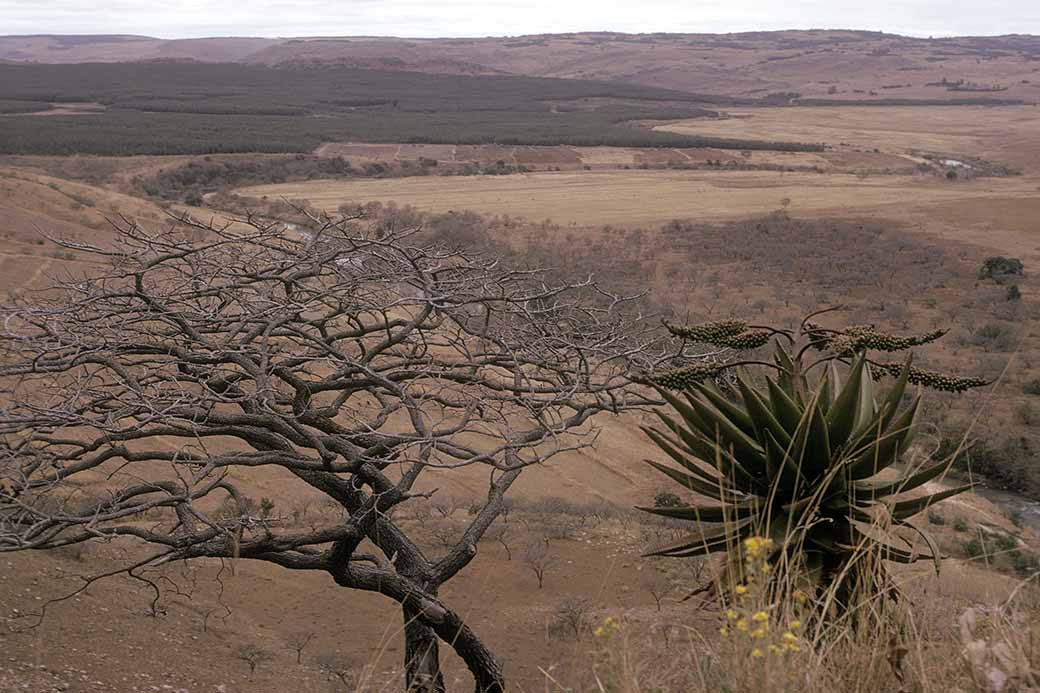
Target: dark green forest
<point>175,108</point>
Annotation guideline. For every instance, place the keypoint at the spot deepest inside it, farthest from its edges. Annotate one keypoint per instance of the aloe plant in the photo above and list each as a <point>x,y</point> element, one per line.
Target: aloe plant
<point>805,458</point>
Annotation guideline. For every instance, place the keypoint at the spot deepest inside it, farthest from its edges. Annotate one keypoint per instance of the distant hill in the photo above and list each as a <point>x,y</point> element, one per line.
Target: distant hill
<point>844,65</point>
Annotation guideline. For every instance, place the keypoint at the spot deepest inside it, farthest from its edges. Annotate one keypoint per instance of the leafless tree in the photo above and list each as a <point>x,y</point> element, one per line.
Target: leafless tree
<point>299,641</point>
<point>446,505</point>
<point>656,584</point>
<point>501,534</point>
<point>539,558</point>
<point>445,534</point>
<point>253,655</point>
<point>355,359</point>
<point>571,617</point>
<point>336,665</point>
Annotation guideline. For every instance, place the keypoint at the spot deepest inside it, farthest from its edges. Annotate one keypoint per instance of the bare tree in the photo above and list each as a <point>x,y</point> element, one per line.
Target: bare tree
<point>538,557</point>
<point>299,642</point>
<point>571,617</point>
<point>253,655</point>
<point>501,534</point>
<point>656,584</point>
<point>352,358</point>
<point>446,505</point>
<point>336,665</point>
<point>445,534</point>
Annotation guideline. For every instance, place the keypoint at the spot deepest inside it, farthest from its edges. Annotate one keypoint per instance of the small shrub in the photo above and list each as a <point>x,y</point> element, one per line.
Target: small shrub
<point>994,336</point>
<point>1005,542</point>
<point>999,267</point>
<point>1014,293</point>
<point>1024,563</point>
<point>1025,414</point>
<point>960,525</point>
<point>936,519</point>
<point>975,548</point>
<point>666,499</point>
<point>1032,387</point>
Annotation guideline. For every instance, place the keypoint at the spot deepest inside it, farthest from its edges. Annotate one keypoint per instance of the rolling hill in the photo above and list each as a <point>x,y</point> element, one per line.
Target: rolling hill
<point>844,65</point>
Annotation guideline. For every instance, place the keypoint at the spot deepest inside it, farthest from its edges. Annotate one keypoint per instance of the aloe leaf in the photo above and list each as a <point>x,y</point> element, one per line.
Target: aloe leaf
<point>908,508</point>
<point>842,415</point>
<point>679,405</point>
<point>825,394</point>
<point>705,542</point>
<point>895,395</point>
<point>932,546</point>
<point>872,490</point>
<point>740,417</point>
<point>673,451</point>
<point>866,406</point>
<point>783,359</point>
<point>718,491</point>
<point>787,410</point>
<point>818,447</point>
<point>761,414</point>
<point>835,379</point>
<point>792,474</point>
<point>713,513</point>
<point>729,431</point>
<point>884,450</point>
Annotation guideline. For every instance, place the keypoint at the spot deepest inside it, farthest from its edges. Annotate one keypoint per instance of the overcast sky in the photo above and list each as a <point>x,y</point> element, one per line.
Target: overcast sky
<point>429,18</point>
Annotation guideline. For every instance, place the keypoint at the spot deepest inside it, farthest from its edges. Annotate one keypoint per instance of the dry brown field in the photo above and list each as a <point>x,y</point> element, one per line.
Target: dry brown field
<point>993,211</point>
<point>648,197</point>
<point>1008,134</point>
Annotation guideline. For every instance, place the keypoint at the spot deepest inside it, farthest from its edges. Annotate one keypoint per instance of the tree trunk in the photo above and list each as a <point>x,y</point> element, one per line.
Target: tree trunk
<point>422,660</point>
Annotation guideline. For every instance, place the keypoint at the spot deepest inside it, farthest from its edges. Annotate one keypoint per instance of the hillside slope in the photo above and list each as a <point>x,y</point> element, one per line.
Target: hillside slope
<point>826,64</point>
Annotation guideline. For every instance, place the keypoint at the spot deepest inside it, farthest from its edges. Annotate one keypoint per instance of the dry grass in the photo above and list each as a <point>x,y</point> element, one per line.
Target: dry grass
<point>643,197</point>
<point>1009,133</point>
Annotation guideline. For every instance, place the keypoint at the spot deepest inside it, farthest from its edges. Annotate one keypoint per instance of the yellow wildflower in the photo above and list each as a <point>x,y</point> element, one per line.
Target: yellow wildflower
<point>757,653</point>
<point>742,625</point>
<point>774,648</point>
<point>795,625</point>
<point>732,615</point>
<point>760,616</point>
<point>723,632</point>
<point>757,547</point>
<point>740,590</point>
<point>758,633</point>
<point>790,637</point>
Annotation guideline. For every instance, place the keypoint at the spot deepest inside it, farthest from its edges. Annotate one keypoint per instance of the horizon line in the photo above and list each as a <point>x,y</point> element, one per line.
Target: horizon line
<point>895,34</point>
